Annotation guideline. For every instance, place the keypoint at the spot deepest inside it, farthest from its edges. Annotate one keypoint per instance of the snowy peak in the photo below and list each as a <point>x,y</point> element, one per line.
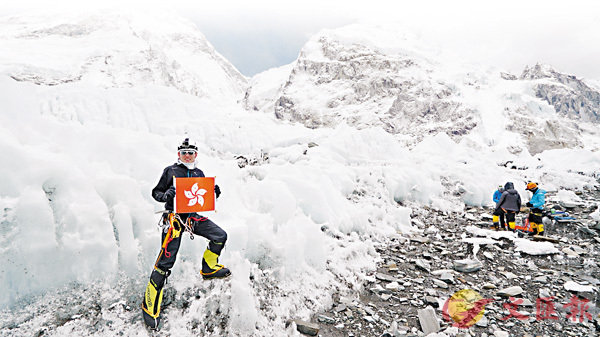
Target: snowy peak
<point>568,95</point>
<point>539,71</point>
<point>349,76</point>
<point>116,50</point>
<point>379,76</point>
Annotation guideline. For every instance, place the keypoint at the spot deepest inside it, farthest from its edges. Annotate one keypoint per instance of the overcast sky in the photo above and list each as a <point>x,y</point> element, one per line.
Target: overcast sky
<point>260,34</point>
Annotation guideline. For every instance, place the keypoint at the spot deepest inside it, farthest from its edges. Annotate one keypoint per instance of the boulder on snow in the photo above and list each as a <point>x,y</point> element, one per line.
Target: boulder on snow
<point>467,265</point>
<point>306,328</point>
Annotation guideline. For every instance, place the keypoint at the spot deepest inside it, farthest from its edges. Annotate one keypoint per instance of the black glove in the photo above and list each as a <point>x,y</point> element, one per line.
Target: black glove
<point>169,194</point>
<point>529,204</point>
<point>217,191</point>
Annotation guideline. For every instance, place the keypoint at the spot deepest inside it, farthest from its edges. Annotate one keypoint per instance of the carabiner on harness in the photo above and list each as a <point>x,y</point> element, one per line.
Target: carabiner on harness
<point>188,228</point>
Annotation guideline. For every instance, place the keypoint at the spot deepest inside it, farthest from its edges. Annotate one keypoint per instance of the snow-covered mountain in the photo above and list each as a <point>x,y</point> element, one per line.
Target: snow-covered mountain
<point>380,76</point>
<point>320,162</point>
<point>114,50</point>
<point>568,95</point>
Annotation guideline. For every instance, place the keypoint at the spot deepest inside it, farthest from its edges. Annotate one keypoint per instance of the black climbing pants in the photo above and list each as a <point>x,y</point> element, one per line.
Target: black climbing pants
<point>200,226</point>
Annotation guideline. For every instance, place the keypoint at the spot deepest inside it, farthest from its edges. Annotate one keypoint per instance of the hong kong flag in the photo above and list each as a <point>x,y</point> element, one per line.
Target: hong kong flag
<point>194,194</point>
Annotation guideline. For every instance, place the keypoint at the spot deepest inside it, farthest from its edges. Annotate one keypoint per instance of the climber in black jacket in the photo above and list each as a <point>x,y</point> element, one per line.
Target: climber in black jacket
<point>508,205</point>
<point>174,226</point>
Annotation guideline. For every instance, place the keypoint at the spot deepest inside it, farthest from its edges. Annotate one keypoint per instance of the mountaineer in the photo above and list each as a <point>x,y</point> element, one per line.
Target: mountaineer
<point>173,226</point>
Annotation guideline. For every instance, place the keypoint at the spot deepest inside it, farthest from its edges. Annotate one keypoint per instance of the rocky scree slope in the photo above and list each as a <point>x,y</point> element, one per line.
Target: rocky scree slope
<point>425,269</point>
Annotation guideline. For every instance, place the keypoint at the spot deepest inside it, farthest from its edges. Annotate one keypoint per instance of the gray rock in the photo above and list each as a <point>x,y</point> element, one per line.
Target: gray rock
<point>509,275</point>
<point>369,311</point>
<point>590,280</point>
<point>420,239</point>
<point>483,322</point>
<point>467,265</point>
<point>423,264</point>
<point>385,277</point>
<point>393,286</point>
<point>558,327</point>
<point>488,286</point>
<point>307,328</point>
<point>544,292</point>
<point>567,205</point>
<point>486,217</point>
<point>526,303</point>
<point>493,279</point>
<point>379,290</point>
<point>428,320</point>
<point>439,283</point>
<point>341,307</point>
<point>385,297</point>
<point>326,319</point>
<point>531,265</point>
<point>508,77</point>
<point>432,300</point>
<point>578,250</point>
<point>570,253</point>
<point>431,292</point>
<point>545,238</point>
<point>447,277</point>
<point>510,292</point>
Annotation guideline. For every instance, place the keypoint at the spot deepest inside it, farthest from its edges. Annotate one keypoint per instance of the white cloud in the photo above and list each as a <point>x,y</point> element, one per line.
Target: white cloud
<point>508,34</point>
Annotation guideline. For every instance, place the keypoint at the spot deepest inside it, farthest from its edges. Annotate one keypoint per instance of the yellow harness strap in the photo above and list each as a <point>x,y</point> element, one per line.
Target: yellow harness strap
<point>174,232</point>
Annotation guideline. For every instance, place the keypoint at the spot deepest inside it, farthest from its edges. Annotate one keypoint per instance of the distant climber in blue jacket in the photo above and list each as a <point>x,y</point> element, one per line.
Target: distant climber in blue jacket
<point>536,203</point>
<point>498,194</point>
<point>496,198</point>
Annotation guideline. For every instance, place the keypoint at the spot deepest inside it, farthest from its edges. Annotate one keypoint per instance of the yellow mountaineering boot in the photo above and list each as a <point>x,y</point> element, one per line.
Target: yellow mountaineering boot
<point>512,225</point>
<point>540,229</point>
<point>495,222</point>
<point>534,228</point>
<point>153,298</point>
<point>210,268</point>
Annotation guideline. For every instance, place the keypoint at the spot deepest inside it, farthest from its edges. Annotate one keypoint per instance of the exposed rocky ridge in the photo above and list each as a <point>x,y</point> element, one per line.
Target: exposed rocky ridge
<point>337,79</point>
<point>568,95</point>
<point>364,87</point>
<point>572,100</point>
<point>544,134</point>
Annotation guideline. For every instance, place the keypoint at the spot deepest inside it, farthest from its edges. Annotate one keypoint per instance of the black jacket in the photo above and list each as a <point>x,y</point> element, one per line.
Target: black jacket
<point>510,199</point>
<point>166,180</point>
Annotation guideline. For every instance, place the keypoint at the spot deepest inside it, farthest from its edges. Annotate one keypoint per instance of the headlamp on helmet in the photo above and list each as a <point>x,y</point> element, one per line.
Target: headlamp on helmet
<point>187,145</point>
